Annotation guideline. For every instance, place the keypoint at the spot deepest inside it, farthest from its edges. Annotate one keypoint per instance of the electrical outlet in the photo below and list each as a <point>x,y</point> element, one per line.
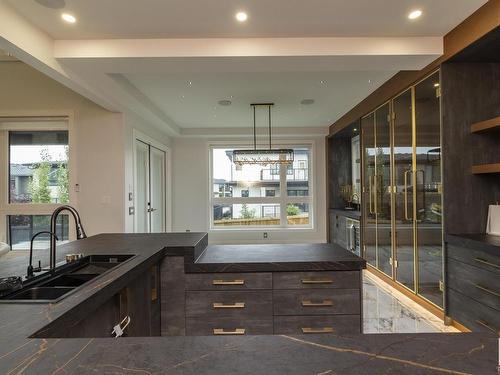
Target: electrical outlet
<point>265,234</point>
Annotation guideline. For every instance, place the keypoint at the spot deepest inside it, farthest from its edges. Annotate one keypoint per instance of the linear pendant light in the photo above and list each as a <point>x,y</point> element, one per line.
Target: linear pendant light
<point>262,156</point>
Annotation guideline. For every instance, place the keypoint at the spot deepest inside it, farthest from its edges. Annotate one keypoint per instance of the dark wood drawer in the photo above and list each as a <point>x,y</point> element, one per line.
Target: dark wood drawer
<point>229,304</point>
<point>472,314</point>
<point>474,282</point>
<point>316,280</point>
<point>228,326</point>
<point>229,281</point>
<point>316,302</point>
<point>297,325</point>
<point>477,258</point>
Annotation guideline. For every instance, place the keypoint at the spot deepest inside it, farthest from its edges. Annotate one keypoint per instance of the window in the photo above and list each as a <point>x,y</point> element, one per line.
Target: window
<point>36,164</point>
<point>261,196</point>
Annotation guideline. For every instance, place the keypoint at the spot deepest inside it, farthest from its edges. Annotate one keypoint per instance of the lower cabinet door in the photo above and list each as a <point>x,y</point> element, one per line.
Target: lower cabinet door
<point>298,325</point>
<point>228,326</point>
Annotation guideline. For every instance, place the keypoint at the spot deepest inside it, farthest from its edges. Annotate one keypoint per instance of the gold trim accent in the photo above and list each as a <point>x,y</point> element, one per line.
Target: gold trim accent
<point>228,282</point>
<point>484,261</point>
<point>316,281</point>
<point>222,331</point>
<point>325,303</point>
<point>318,330</point>
<point>236,305</point>
<point>487,290</point>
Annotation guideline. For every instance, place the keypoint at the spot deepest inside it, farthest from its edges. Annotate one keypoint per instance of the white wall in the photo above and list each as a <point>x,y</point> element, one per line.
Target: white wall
<point>191,195</point>
<point>101,143</point>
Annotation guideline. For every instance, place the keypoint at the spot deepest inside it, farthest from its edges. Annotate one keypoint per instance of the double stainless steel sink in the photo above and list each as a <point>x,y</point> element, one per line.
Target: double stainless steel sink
<point>54,286</point>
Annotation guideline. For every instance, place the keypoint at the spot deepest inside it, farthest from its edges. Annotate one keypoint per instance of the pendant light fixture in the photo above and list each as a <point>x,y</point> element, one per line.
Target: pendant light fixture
<point>262,156</point>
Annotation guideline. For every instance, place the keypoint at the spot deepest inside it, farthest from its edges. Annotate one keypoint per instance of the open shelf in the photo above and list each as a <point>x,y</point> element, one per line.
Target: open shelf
<point>486,168</point>
<point>487,125</point>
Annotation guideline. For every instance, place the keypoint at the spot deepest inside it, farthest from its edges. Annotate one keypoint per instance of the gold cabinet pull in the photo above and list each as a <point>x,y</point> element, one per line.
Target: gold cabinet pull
<point>317,281</point>
<point>484,261</point>
<point>486,325</point>
<point>228,282</point>
<point>487,290</point>
<point>325,303</point>
<point>318,330</point>
<point>236,305</point>
<point>222,331</point>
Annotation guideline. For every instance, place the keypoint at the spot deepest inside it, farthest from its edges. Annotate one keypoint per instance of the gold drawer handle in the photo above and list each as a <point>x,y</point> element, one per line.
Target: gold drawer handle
<point>236,305</point>
<point>317,281</point>
<point>487,290</point>
<point>318,330</point>
<point>222,331</point>
<point>484,261</point>
<point>486,325</point>
<point>228,282</point>
<point>325,303</point>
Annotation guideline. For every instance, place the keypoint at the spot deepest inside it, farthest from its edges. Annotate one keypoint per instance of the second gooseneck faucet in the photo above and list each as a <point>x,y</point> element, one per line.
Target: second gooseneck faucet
<point>80,233</point>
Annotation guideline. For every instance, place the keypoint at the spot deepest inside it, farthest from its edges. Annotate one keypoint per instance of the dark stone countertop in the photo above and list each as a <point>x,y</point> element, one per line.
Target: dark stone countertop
<point>271,355</point>
<point>275,258</point>
<point>476,241</point>
<point>353,214</point>
<point>329,354</point>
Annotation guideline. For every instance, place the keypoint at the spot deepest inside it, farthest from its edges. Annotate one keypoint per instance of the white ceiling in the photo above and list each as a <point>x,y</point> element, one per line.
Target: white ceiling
<point>98,19</point>
<point>190,99</point>
<point>140,55</point>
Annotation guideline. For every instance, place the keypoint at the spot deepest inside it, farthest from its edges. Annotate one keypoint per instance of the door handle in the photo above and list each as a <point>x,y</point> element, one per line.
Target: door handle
<point>406,194</point>
<point>370,193</point>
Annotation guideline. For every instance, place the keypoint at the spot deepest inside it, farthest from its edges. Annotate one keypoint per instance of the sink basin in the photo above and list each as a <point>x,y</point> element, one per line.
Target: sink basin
<point>41,293</point>
<point>70,280</point>
<point>54,286</point>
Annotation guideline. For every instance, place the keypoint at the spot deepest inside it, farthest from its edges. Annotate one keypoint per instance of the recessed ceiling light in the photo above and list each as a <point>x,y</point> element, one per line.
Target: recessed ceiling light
<point>415,14</point>
<point>323,82</point>
<point>307,101</point>
<point>241,16</point>
<point>190,83</point>
<point>69,18</point>
<point>224,102</point>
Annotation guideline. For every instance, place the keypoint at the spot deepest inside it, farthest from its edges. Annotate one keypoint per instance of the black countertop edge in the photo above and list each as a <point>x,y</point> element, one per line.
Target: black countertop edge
<point>477,241</point>
<point>275,267</point>
<point>352,214</point>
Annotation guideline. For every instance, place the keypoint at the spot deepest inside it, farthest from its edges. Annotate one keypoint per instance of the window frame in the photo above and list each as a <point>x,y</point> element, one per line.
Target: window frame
<point>283,199</point>
<point>29,121</point>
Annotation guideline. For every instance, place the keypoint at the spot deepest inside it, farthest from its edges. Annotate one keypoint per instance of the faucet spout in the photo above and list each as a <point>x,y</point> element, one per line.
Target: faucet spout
<point>80,232</point>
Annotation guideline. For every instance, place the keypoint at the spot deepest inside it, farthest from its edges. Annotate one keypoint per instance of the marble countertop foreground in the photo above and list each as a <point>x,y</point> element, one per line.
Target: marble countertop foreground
<point>434,353</point>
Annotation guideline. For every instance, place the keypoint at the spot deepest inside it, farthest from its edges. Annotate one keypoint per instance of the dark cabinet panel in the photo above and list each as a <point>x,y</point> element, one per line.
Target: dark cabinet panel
<point>229,281</point>
<point>316,280</point>
<point>229,326</point>
<point>297,325</point>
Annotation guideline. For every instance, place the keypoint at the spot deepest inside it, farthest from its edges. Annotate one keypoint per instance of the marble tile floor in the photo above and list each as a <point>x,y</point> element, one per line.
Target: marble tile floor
<point>386,310</point>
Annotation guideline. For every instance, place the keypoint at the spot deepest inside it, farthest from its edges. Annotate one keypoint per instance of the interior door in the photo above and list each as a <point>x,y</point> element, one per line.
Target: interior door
<point>150,206</point>
<point>403,197</point>
<point>382,189</point>
<point>428,197</point>
<point>368,200</point>
<point>157,190</point>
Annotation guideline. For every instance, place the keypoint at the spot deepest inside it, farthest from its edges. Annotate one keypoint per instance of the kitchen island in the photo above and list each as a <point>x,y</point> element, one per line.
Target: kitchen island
<point>26,328</point>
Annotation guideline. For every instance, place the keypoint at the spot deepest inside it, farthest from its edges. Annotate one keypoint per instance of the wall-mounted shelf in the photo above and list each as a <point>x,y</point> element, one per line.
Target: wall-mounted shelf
<point>487,125</point>
<point>486,168</point>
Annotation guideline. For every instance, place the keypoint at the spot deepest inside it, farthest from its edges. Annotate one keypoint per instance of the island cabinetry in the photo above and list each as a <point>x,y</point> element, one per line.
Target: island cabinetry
<point>317,302</point>
<point>258,303</point>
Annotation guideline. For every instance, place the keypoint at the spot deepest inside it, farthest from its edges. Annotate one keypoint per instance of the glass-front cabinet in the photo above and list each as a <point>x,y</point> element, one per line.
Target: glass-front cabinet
<point>401,189</point>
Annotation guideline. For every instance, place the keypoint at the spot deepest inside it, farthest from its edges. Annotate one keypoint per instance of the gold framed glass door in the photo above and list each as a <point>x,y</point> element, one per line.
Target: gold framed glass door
<point>404,248</point>
<point>369,216</point>
<point>382,189</point>
<point>428,195</point>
